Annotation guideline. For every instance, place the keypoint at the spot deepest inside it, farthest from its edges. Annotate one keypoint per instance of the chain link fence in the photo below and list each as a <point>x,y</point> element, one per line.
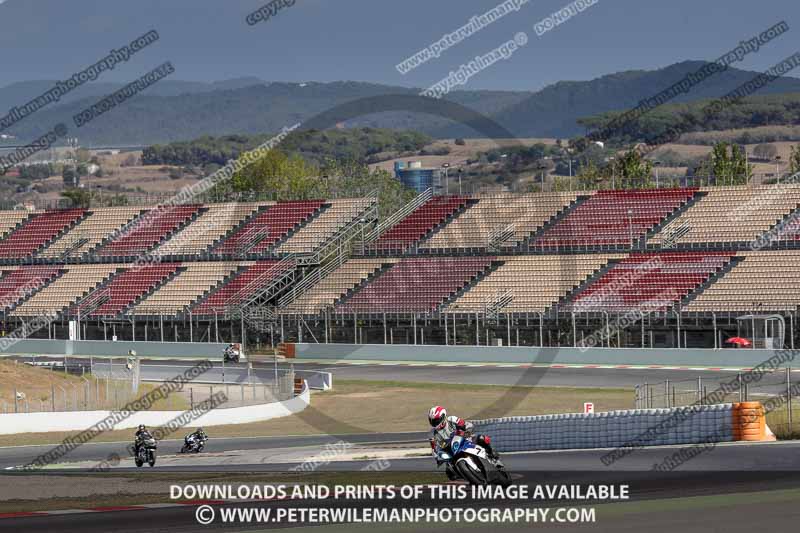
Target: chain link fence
<point>87,385</point>
<point>778,390</point>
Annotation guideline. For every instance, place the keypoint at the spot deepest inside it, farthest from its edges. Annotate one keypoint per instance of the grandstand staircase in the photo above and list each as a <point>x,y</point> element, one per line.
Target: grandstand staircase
<point>713,278</point>
<point>498,236</point>
<point>565,301</point>
<point>395,217</point>
<point>208,292</point>
<point>94,298</point>
<point>260,292</point>
<point>63,233</point>
<point>493,265</point>
<point>671,235</point>
<point>669,218</point>
<point>500,301</point>
<point>525,244</point>
<point>330,255</point>
<point>74,244</point>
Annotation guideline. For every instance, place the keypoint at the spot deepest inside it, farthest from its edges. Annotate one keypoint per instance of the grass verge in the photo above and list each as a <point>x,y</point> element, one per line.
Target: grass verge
<point>381,406</point>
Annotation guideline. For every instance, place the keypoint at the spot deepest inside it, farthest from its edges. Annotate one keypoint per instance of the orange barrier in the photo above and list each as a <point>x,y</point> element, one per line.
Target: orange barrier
<point>286,349</point>
<point>750,422</point>
<point>298,386</point>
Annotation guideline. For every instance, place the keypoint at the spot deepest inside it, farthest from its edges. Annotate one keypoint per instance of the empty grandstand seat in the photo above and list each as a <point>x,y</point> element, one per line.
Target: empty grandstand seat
<point>19,283</point>
<point>210,226</point>
<point>268,227</point>
<point>736,214</point>
<point>99,225</point>
<point>178,294</point>
<point>9,220</point>
<point>325,226</point>
<point>38,231</point>
<point>252,277</point>
<point>649,281</point>
<point>763,281</point>
<point>603,220</point>
<point>416,284</point>
<point>534,282</point>
<point>419,223</point>
<point>324,294</point>
<point>147,230</point>
<point>124,288</point>
<point>75,283</point>
<point>499,220</point>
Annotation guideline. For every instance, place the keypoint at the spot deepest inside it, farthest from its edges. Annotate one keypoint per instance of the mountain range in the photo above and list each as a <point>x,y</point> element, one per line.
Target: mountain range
<point>173,110</point>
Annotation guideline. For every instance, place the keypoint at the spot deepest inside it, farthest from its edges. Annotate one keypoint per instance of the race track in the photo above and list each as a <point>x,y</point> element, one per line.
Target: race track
<point>588,377</point>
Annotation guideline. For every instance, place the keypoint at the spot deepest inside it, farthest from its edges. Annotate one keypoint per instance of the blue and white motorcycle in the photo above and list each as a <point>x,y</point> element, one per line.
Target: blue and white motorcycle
<point>470,462</point>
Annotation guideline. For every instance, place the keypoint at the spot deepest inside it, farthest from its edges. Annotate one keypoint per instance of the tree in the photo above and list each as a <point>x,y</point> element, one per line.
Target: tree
<point>728,164</point>
<point>351,178</point>
<point>70,176</point>
<point>590,176</point>
<point>765,151</point>
<point>78,197</point>
<point>278,176</point>
<point>632,170</point>
<point>794,159</point>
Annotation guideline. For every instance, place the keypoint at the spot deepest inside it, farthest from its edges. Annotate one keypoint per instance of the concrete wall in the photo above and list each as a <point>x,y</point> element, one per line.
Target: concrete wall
<point>119,348</point>
<point>316,380</point>
<point>80,420</point>
<point>651,427</point>
<point>533,355</point>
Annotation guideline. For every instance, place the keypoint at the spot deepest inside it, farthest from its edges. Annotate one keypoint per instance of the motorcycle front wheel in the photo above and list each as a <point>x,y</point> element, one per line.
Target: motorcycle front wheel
<point>466,471</point>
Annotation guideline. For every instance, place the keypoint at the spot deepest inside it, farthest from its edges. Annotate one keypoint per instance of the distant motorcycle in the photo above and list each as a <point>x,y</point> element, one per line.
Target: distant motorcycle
<point>146,452</point>
<point>232,353</point>
<point>193,444</point>
<point>470,462</point>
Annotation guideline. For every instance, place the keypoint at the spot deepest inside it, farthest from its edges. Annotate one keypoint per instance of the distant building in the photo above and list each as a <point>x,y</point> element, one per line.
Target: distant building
<point>414,176</point>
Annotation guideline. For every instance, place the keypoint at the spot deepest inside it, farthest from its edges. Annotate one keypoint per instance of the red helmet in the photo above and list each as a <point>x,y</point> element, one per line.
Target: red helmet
<point>437,416</point>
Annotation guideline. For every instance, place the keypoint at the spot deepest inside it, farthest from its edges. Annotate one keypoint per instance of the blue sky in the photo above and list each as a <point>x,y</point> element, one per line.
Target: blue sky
<point>328,40</point>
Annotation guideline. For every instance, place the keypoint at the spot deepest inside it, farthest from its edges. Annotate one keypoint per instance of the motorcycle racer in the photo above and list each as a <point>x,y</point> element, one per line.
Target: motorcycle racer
<point>445,426</point>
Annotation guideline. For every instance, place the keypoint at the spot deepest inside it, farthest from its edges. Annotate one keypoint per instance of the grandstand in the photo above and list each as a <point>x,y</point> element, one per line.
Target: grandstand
<point>549,267</point>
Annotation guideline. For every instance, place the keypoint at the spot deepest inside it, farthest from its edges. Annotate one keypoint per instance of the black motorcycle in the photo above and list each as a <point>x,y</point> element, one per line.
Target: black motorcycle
<point>145,451</point>
<point>193,444</point>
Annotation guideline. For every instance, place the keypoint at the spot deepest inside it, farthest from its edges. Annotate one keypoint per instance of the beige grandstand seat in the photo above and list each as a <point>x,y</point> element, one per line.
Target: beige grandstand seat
<point>534,282</point>
<point>325,226</point>
<point>522,214</point>
<point>185,288</point>
<point>762,281</point>
<point>210,226</point>
<point>101,223</point>
<point>75,283</point>
<point>10,219</point>
<point>731,214</point>
<point>337,283</point>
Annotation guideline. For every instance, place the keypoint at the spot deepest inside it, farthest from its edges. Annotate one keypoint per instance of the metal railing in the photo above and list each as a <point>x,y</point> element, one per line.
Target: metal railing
<point>776,389</point>
<point>497,237</point>
<point>398,215</point>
